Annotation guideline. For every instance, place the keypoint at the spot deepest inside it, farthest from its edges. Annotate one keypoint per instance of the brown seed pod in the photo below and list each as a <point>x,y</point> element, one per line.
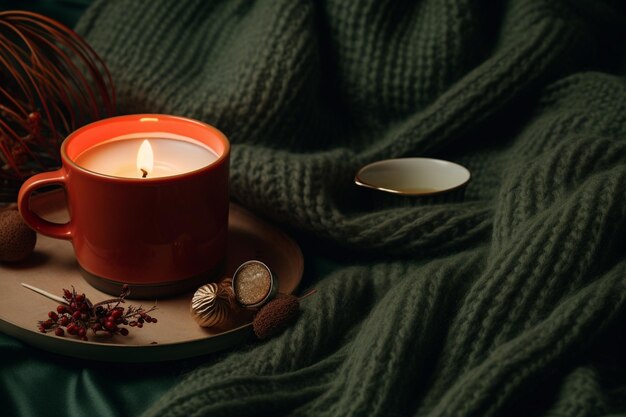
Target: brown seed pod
<point>211,305</point>
<point>17,240</point>
<point>228,284</point>
<point>276,315</point>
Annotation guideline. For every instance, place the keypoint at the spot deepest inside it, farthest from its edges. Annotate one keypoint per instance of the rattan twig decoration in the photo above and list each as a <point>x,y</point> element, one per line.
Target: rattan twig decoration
<point>51,82</point>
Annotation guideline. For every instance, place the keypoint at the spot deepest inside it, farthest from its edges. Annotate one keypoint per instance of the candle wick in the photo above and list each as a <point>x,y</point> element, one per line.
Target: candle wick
<point>145,173</point>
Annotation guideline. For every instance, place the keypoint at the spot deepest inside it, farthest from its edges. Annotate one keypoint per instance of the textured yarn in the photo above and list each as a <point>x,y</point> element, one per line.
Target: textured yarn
<point>512,302</point>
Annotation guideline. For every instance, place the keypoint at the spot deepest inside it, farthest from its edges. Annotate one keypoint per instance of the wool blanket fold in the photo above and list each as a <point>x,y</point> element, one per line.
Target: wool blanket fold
<point>512,302</point>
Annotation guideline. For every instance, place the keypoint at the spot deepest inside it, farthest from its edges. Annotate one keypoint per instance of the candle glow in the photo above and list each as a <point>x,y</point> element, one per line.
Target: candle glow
<point>145,158</point>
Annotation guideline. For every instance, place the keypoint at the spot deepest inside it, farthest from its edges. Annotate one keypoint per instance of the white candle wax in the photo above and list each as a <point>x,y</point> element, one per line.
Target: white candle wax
<point>172,154</point>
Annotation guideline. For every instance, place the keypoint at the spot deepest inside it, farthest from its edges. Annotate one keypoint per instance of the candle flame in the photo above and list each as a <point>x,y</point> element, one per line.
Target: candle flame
<point>145,159</point>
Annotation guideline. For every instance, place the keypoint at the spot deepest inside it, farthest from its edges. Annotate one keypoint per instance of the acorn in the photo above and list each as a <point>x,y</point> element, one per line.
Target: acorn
<point>17,240</point>
<point>275,316</point>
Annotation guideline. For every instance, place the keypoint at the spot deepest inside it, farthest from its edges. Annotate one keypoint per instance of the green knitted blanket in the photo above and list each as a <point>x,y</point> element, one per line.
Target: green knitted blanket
<point>512,302</point>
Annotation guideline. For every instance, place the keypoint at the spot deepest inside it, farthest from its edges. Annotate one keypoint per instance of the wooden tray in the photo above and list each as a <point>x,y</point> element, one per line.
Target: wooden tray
<point>176,335</point>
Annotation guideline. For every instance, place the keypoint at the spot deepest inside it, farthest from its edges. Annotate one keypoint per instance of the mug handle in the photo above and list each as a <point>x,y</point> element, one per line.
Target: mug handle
<point>55,230</point>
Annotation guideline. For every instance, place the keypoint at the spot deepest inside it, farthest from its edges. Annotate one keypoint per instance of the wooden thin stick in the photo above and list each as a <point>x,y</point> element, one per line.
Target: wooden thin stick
<point>308,293</point>
<point>56,298</point>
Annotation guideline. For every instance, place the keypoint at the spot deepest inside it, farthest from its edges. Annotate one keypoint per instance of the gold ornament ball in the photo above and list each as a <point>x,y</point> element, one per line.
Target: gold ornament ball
<point>17,240</point>
<point>211,304</point>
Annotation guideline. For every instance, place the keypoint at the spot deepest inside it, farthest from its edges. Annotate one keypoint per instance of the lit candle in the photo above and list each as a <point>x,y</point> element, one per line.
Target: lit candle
<point>145,159</point>
<point>139,156</point>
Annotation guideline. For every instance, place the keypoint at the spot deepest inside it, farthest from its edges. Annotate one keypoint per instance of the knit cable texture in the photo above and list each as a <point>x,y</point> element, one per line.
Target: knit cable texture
<point>512,302</point>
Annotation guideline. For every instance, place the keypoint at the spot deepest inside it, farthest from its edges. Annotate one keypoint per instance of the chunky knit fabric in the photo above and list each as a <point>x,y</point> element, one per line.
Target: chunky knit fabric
<point>512,302</point>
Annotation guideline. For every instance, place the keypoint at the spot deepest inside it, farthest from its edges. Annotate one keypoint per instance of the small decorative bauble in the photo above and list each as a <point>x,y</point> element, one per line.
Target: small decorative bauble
<point>211,304</point>
<point>17,240</point>
<point>275,316</point>
<point>254,284</point>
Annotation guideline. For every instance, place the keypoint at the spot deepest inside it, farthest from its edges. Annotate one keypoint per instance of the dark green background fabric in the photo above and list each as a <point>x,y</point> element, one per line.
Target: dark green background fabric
<point>65,11</point>
<point>512,302</point>
<point>35,383</point>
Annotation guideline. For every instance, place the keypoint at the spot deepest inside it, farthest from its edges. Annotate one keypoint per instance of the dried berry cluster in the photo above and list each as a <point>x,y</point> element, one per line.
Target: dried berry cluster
<point>79,316</point>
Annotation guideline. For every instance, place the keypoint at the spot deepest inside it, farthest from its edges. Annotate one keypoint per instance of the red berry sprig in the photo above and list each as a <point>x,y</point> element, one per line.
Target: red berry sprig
<point>79,316</point>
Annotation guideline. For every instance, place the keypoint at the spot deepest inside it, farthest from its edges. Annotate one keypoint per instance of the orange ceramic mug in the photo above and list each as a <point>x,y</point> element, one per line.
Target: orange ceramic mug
<point>156,220</point>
